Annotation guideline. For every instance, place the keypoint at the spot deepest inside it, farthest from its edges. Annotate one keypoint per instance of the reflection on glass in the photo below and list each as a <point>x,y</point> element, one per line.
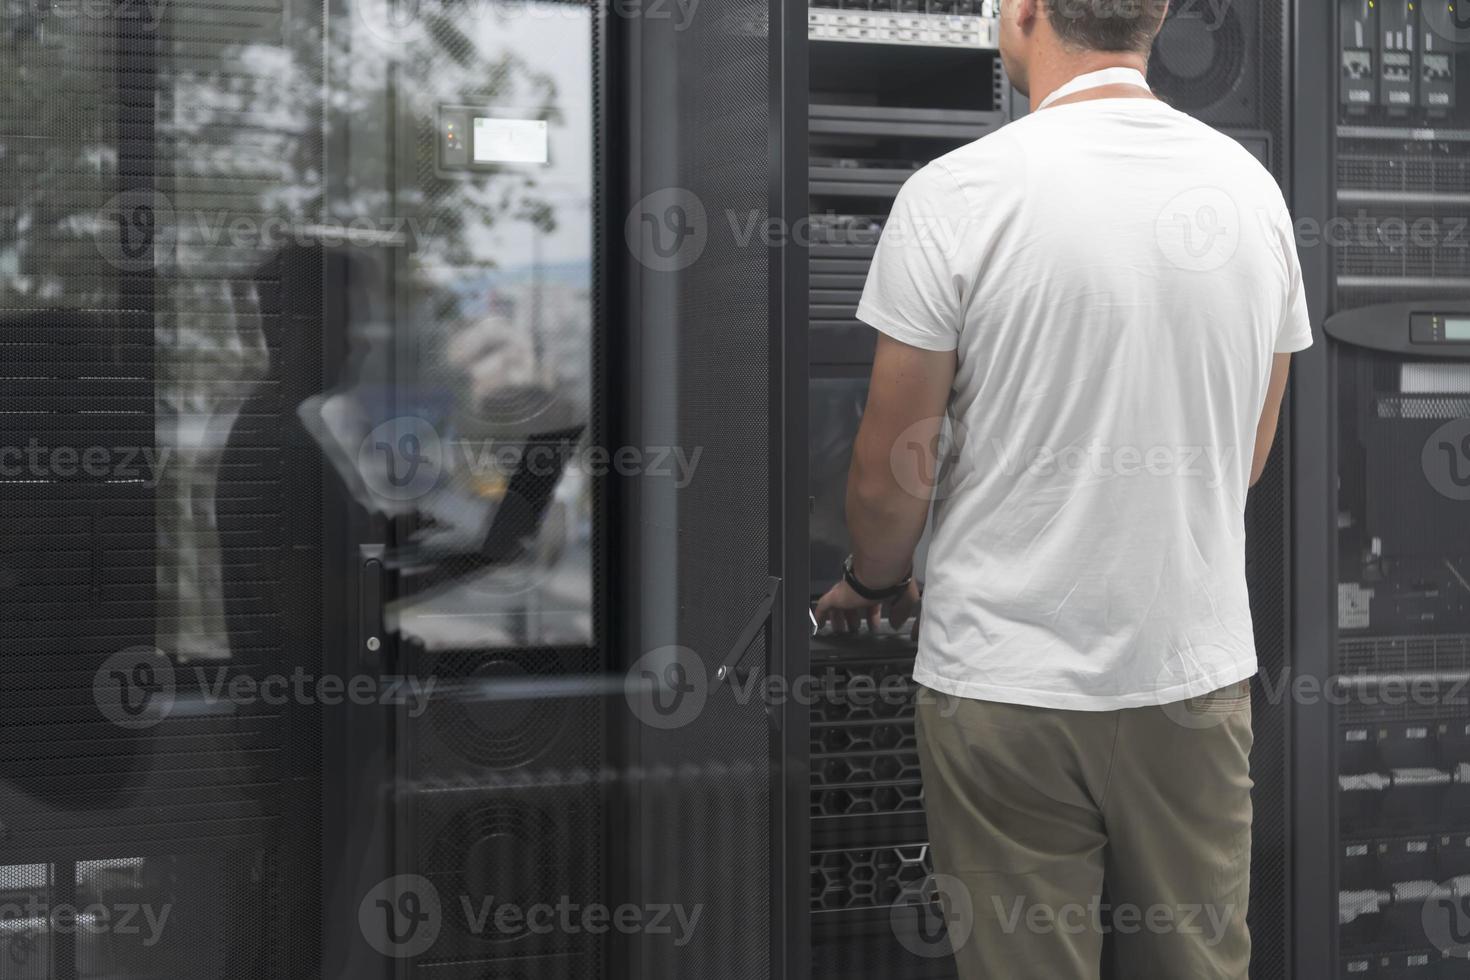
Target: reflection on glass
<point>465,405</point>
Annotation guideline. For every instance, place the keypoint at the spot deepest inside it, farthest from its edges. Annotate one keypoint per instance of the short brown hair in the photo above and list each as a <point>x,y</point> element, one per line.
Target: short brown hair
<point>1107,25</point>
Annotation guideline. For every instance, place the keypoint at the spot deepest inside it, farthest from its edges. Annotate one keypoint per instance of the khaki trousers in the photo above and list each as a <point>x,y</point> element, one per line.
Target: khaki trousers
<point>1032,810</point>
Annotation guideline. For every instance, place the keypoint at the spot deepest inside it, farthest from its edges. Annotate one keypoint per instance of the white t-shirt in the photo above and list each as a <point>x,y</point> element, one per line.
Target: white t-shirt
<point>1115,277</point>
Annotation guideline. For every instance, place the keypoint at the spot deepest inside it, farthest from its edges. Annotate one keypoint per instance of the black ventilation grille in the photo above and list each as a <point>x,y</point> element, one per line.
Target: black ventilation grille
<point>523,846</point>
<point>1202,61</point>
<point>471,725</point>
<point>1389,173</point>
<point>1226,65</point>
<point>1445,653</point>
<point>868,877</point>
<point>1401,231</point>
<point>864,756</point>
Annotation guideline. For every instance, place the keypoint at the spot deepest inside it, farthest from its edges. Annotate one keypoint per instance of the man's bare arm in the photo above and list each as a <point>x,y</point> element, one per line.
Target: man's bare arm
<point>1270,416</point>
<point>890,484</point>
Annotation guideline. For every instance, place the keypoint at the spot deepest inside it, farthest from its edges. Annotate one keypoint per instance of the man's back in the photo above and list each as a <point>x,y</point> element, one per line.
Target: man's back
<point>1115,278</point>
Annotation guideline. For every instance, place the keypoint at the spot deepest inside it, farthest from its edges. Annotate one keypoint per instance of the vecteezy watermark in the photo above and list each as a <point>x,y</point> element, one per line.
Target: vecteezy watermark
<point>35,462</point>
<point>1446,914</point>
<point>216,686</point>
<point>487,916</point>
<point>405,458</point>
<point>1446,459</point>
<point>1369,231</point>
<point>1210,703</point>
<point>1199,230</point>
<point>925,455</point>
<point>403,917</point>
<point>1368,692</point>
<point>1212,465</point>
<point>669,688</point>
<point>667,230</point>
<point>927,460</point>
<point>26,922</point>
<point>1450,19</point>
<point>1207,920</point>
<point>134,688</point>
<point>939,922</point>
<point>401,459</point>
<point>140,687</point>
<point>140,228</point>
<point>136,230</point>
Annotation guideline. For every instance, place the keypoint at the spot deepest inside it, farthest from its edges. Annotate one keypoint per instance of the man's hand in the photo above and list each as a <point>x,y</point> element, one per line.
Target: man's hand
<point>847,611</point>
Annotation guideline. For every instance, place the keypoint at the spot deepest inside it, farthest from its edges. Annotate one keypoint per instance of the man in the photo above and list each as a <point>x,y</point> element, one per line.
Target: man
<point>1097,304</point>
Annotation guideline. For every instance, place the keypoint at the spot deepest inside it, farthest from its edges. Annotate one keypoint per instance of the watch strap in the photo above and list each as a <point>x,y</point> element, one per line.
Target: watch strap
<point>873,595</point>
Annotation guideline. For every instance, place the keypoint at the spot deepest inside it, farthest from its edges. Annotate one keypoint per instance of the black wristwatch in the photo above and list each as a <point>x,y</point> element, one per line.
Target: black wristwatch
<point>874,595</point>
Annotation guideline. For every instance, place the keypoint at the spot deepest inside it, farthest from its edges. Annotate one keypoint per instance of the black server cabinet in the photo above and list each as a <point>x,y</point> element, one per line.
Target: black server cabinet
<point>257,269</point>
<point>162,514</point>
<point>887,96</point>
<point>1381,603</point>
<point>706,592</point>
<point>891,87</point>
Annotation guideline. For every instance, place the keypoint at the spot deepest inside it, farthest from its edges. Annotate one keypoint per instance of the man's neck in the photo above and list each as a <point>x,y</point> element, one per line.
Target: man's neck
<point>1051,74</point>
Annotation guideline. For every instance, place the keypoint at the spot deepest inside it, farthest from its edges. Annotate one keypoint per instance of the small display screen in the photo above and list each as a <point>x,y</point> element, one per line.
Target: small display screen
<point>510,140</point>
<point>1457,329</point>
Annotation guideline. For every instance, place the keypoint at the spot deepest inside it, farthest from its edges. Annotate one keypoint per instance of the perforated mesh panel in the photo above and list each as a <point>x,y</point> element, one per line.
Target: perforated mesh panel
<point>1268,567</point>
<point>1400,231</point>
<point>141,335</point>
<point>1226,64</point>
<point>717,383</point>
<point>868,877</point>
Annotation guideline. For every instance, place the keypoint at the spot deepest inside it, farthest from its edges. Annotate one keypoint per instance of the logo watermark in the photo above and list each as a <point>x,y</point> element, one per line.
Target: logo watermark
<point>670,687</point>
<point>401,916</point>
<point>25,923</point>
<point>1096,459</point>
<point>140,687</point>
<point>404,916</point>
<point>1446,459</point>
<point>939,923</point>
<point>405,458</point>
<point>667,230</point>
<point>1446,915</point>
<point>1206,920</point>
<point>134,688</point>
<point>35,462</point>
<point>1449,19</point>
<point>1199,230</point>
<point>138,229</point>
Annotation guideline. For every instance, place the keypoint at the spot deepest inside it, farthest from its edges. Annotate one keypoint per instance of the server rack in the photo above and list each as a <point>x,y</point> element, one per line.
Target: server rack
<point>1381,601</point>
<point>872,913</point>
<point>892,85</point>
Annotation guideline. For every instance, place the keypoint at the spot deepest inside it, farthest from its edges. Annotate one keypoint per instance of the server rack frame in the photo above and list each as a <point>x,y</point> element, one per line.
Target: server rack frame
<point>1314,506</point>
<point>790,99</point>
<point>641,91</point>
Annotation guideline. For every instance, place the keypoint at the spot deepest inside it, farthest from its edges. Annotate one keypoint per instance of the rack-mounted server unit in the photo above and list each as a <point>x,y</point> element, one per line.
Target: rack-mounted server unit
<point>1380,593</point>
<point>893,84</point>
